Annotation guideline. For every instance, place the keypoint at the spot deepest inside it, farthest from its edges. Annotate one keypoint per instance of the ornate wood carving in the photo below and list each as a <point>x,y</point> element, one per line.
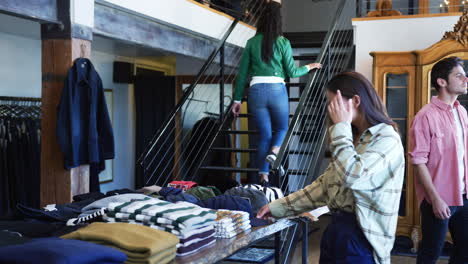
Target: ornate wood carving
<point>460,31</point>
<point>384,8</point>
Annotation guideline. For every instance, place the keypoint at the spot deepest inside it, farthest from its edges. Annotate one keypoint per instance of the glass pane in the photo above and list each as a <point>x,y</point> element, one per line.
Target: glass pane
<point>397,107</point>
<point>397,80</point>
<point>437,6</point>
<point>397,102</point>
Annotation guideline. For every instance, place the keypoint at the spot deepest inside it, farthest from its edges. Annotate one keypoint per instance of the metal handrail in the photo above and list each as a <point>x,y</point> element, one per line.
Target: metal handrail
<point>186,95</point>
<point>295,120</point>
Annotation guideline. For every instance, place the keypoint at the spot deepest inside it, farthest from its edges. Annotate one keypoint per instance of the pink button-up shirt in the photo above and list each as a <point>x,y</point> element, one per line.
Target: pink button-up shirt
<point>433,138</point>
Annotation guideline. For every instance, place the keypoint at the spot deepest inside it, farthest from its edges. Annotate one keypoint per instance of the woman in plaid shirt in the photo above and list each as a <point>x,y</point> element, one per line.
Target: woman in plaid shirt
<point>362,184</point>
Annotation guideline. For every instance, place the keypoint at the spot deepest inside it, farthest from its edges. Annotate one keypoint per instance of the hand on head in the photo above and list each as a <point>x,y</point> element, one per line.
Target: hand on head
<point>340,109</point>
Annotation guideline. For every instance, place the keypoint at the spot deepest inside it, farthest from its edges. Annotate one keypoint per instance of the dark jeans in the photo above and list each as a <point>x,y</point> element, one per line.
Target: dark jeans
<point>343,242</point>
<point>434,231</point>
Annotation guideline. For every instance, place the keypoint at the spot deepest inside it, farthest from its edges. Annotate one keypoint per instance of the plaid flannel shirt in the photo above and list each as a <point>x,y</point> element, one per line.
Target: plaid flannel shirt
<point>365,179</point>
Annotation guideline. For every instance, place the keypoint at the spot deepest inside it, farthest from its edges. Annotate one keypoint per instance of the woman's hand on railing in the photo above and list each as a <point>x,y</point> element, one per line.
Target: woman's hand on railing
<point>315,65</point>
<point>236,108</point>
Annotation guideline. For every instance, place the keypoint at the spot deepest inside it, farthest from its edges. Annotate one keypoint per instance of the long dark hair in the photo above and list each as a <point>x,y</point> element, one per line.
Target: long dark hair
<point>270,25</point>
<point>352,83</point>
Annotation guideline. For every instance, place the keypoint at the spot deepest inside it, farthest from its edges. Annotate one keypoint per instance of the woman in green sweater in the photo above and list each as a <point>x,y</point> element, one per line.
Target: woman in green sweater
<point>267,59</point>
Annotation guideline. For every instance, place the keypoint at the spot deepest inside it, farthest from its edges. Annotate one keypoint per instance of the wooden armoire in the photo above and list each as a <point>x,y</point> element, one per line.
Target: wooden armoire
<point>402,79</point>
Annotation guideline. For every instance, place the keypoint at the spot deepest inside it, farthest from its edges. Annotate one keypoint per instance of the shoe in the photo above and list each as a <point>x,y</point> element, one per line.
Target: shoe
<point>264,183</point>
<point>271,158</point>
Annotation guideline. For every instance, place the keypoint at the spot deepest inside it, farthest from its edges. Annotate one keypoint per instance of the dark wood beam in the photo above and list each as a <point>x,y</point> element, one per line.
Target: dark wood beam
<point>60,47</point>
<point>116,22</point>
<point>57,184</point>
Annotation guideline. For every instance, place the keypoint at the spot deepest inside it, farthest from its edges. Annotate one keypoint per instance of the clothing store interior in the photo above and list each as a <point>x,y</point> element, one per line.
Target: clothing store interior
<point>124,137</point>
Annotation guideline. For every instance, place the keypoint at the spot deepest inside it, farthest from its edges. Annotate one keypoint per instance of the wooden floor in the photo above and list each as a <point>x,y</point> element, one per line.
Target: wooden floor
<point>314,248</point>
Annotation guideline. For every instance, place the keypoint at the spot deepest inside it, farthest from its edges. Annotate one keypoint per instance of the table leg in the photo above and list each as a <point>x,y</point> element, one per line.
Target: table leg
<point>277,247</point>
<point>305,241</point>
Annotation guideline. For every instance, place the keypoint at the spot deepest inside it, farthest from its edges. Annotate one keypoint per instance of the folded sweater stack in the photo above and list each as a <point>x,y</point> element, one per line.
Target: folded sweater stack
<point>193,225</point>
<point>231,223</point>
<point>141,244</point>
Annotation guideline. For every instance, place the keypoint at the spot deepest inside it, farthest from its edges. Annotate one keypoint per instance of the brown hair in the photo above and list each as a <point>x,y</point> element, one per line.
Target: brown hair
<point>352,83</point>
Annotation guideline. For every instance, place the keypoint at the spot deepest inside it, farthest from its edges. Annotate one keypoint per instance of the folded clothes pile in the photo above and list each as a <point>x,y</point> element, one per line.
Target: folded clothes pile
<point>193,225</point>
<point>231,223</point>
<point>141,244</point>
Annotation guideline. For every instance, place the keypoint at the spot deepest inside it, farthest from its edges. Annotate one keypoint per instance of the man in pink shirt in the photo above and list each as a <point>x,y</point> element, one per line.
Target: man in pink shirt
<point>439,137</point>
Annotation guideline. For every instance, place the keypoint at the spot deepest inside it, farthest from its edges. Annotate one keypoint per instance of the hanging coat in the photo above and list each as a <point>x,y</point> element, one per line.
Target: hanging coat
<point>84,130</point>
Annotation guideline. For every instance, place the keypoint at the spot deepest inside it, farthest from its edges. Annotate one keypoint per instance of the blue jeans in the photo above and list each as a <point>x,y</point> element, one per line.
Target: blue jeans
<point>343,242</point>
<point>268,103</point>
<point>434,231</point>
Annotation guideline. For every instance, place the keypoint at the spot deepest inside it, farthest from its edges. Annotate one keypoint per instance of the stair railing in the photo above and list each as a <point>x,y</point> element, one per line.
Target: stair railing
<point>307,129</point>
<point>154,159</point>
<point>308,122</point>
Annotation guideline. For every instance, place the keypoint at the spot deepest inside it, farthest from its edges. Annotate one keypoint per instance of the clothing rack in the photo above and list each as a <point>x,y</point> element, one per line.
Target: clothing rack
<point>20,150</point>
<point>28,107</point>
<point>19,99</point>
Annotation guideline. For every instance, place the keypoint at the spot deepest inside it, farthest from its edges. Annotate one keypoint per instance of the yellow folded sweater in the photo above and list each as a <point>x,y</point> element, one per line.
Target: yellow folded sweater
<point>141,241</point>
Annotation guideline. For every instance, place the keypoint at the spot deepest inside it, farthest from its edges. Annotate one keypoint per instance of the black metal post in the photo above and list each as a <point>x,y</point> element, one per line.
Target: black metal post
<point>358,8</point>
<point>329,63</point>
<point>277,247</point>
<point>411,7</point>
<point>221,83</point>
<point>305,240</point>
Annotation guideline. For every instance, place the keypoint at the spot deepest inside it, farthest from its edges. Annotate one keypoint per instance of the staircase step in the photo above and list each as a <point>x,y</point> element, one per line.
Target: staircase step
<point>296,172</point>
<point>300,152</point>
<point>234,149</point>
<point>240,132</point>
<point>293,84</point>
<point>305,57</point>
<point>229,169</point>
<point>305,132</point>
<point>306,39</point>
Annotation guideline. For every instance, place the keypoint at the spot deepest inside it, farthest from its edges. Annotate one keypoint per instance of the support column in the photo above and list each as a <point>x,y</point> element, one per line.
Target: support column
<point>61,45</point>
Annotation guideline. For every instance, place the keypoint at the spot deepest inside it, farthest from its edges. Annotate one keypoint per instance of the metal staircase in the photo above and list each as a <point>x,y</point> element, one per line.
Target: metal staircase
<point>303,149</point>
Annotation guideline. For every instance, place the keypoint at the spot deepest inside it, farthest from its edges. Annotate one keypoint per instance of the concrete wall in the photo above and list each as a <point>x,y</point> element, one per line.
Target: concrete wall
<point>404,34</point>
<point>123,115</point>
<point>189,15</point>
<point>308,16</point>
<point>20,50</point>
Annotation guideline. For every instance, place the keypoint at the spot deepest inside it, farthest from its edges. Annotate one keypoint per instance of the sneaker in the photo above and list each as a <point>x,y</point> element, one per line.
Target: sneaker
<point>271,158</point>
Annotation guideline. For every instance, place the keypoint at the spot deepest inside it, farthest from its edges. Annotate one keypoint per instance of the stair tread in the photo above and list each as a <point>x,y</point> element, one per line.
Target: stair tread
<point>239,131</point>
<point>235,149</point>
<point>220,168</point>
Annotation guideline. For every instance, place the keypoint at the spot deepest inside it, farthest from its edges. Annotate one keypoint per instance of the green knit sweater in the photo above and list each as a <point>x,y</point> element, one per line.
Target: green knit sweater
<point>281,63</point>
